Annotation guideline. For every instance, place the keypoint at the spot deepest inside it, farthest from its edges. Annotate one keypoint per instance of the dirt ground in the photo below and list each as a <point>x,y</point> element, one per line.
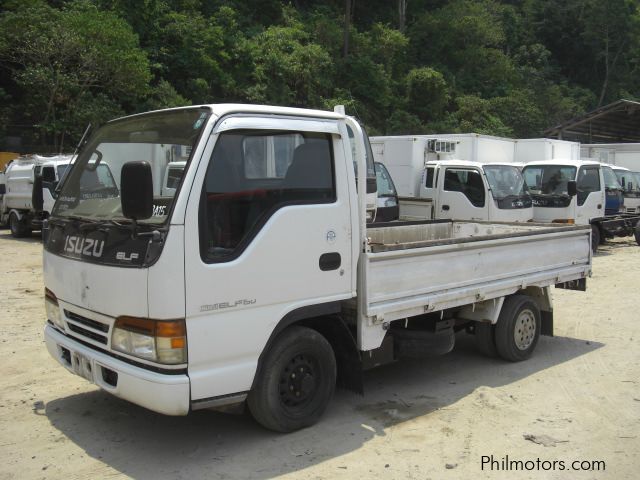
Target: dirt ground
<point>578,397</point>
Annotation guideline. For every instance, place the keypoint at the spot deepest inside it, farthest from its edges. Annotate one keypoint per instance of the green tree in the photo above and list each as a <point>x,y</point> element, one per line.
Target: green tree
<point>69,66</point>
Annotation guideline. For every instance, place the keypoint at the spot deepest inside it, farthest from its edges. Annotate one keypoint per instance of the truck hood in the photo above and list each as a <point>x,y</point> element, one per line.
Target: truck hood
<point>108,290</point>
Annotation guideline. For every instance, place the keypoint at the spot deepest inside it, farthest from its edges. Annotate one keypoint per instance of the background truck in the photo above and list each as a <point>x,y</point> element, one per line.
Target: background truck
<point>267,286</point>
<point>27,191</point>
<point>575,192</point>
<point>630,182</point>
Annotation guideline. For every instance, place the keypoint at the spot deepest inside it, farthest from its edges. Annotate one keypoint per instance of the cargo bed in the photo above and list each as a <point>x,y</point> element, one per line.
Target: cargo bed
<point>420,267</point>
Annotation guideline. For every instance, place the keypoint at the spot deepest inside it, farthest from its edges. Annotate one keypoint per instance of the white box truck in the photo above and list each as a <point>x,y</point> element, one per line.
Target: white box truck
<point>458,176</point>
<point>27,191</point>
<point>261,282</point>
<point>537,149</point>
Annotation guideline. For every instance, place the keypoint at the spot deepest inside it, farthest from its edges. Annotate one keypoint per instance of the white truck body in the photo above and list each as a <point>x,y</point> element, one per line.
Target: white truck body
<point>309,267</point>
<point>19,178</point>
<point>625,155</point>
<point>537,149</point>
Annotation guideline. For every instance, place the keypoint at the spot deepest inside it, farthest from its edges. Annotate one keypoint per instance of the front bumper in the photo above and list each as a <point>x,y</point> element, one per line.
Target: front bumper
<point>167,394</point>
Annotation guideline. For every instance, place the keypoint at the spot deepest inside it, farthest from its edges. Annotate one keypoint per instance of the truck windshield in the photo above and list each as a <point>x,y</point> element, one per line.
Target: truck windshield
<point>610,179</point>
<point>92,190</point>
<point>505,181</point>
<point>386,188</point>
<point>549,179</point>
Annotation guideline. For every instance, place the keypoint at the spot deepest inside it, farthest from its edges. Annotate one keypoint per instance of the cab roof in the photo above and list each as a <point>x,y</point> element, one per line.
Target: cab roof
<point>567,162</point>
<point>222,109</point>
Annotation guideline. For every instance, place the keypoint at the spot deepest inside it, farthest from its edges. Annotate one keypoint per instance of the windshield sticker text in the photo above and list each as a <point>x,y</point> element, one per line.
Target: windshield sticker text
<point>159,210</point>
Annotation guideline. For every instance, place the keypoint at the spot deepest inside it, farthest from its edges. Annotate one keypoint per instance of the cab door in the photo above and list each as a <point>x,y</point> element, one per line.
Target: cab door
<point>267,236</point>
<point>462,194</point>
<point>590,199</point>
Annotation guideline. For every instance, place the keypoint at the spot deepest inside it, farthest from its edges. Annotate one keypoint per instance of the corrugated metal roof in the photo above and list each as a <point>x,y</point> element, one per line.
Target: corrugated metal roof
<point>618,122</point>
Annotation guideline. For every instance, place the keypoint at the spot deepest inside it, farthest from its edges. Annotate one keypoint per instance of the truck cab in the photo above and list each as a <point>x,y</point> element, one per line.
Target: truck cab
<point>613,190</point>
<point>549,183</point>
<point>459,189</point>
<point>629,182</point>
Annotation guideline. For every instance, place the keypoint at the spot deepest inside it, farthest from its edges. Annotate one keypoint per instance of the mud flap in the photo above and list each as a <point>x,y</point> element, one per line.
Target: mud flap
<point>546,321</point>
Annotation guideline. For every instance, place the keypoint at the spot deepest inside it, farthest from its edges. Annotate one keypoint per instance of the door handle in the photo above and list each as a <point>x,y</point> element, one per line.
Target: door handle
<point>330,261</point>
<point>445,207</point>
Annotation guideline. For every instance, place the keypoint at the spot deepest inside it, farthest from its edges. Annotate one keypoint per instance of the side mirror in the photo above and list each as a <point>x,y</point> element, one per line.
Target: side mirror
<point>572,188</point>
<point>37,200</point>
<point>136,190</point>
<point>48,175</point>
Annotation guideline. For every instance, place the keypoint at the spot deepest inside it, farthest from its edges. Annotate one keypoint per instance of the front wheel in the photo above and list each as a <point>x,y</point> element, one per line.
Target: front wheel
<point>518,328</point>
<point>17,226</point>
<point>636,233</point>
<point>296,382</point>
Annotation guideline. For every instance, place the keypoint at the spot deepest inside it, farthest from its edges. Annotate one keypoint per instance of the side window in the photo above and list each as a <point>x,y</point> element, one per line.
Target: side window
<point>428,183</point>
<point>467,181</point>
<point>250,176</point>
<point>588,181</point>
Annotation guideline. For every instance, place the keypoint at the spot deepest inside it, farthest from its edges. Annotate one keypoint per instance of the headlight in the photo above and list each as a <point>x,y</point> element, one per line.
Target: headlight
<point>52,309</point>
<point>162,341</point>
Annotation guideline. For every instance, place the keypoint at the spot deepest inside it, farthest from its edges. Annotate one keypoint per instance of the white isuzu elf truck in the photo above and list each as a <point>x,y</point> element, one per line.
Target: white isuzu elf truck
<point>258,281</point>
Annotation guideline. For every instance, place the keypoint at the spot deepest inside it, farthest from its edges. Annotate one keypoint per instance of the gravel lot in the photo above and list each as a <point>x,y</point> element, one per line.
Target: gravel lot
<point>578,398</point>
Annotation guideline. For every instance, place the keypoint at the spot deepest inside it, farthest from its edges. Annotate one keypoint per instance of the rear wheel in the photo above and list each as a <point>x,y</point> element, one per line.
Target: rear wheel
<point>518,328</point>
<point>636,233</point>
<point>17,226</point>
<point>296,382</point>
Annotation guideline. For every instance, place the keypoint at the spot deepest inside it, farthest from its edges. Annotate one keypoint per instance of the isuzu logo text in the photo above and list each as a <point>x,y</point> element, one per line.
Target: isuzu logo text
<point>87,247</point>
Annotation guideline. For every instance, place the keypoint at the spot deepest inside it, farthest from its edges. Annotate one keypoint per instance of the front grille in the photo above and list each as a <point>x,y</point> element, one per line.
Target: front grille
<point>87,327</point>
<point>87,321</point>
<point>87,333</point>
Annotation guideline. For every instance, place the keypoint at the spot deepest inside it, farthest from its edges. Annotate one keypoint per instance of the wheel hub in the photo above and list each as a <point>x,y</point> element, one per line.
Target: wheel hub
<point>525,329</point>
<point>298,381</point>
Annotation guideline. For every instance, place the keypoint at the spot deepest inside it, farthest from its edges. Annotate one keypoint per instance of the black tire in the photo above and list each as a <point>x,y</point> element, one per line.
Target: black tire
<point>636,233</point>
<point>296,382</point>
<point>17,226</point>
<point>518,328</point>
<point>595,238</point>
<point>485,339</point>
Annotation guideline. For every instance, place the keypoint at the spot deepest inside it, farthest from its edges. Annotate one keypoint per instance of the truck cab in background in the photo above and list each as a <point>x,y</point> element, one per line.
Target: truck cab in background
<point>388,208</point>
<point>575,192</point>
<point>630,182</point>
<point>614,192</point>
<point>29,186</point>
<point>458,189</point>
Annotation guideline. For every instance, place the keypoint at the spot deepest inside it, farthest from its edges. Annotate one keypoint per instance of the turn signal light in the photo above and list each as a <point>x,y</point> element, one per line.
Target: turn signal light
<point>162,341</point>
